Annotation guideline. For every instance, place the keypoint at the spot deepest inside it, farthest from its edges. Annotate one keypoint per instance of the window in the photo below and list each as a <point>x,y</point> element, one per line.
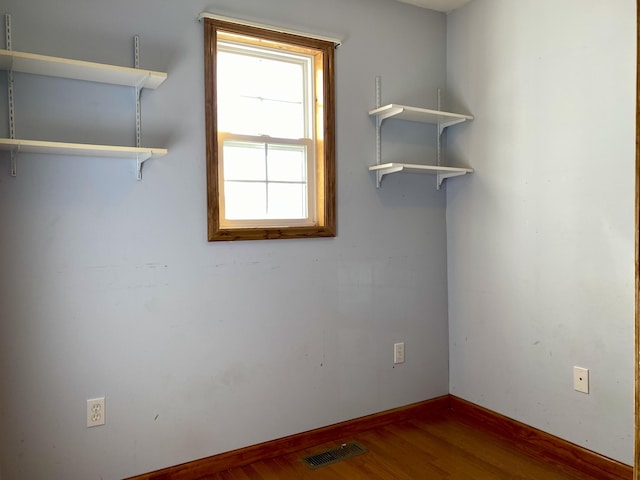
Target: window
<point>270,134</point>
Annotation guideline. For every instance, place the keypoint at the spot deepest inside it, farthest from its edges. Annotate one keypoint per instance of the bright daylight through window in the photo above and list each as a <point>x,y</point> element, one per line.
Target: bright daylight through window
<point>270,134</point>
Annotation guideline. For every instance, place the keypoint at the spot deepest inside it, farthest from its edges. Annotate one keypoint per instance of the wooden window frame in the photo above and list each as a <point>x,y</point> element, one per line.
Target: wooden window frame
<point>325,225</point>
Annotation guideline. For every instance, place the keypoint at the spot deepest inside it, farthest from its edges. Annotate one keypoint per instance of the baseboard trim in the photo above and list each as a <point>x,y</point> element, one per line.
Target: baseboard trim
<point>530,440</point>
<point>542,445</point>
<point>293,443</point>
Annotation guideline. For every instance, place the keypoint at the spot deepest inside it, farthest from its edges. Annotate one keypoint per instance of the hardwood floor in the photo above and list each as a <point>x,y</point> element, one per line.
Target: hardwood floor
<point>442,438</point>
<point>442,445</point>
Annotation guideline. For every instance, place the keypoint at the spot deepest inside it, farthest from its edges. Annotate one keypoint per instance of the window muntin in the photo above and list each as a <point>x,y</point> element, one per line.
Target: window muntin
<point>304,130</point>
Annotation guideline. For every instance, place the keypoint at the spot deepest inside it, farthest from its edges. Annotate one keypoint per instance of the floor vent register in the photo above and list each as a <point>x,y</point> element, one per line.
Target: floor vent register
<point>328,457</point>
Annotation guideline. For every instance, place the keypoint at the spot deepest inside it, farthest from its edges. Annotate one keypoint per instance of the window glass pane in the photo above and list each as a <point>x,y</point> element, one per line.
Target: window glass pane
<point>239,115</point>
<point>244,161</point>
<point>287,200</point>
<point>280,80</point>
<point>284,120</point>
<point>261,96</point>
<point>235,78</point>
<point>252,116</point>
<point>254,76</point>
<point>245,201</point>
<point>287,163</point>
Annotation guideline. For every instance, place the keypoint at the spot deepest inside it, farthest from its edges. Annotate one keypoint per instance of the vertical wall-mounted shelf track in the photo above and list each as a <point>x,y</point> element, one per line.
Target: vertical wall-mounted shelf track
<point>138,94</point>
<point>12,120</point>
<point>13,61</point>
<point>441,119</point>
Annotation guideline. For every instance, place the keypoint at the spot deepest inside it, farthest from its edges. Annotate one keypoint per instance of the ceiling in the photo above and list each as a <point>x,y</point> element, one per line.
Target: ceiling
<point>439,5</point>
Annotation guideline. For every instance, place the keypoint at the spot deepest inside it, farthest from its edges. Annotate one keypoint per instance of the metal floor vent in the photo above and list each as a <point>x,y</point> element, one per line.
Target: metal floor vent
<point>346,450</point>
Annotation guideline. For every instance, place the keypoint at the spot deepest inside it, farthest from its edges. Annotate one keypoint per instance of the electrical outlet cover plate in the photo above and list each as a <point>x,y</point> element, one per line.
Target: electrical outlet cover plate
<point>95,412</point>
<point>398,353</point>
<point>581,379</point>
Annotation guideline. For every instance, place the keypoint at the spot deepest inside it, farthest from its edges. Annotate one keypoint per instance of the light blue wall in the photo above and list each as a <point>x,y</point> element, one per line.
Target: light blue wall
<point>109,287</point>
<point>541,237</point>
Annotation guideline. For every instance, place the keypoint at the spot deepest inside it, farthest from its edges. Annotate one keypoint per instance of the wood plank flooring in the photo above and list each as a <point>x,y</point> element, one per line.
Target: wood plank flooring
<point>442,445</point>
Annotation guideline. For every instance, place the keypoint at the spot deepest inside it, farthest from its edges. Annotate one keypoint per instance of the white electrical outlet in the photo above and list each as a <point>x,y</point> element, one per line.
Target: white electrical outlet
<point>95,412</point>
<point>581,379</point>
<point>398,353</point>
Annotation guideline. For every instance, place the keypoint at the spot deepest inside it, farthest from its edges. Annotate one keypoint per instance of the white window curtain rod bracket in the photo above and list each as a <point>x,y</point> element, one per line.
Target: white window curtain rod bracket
<point>336,41</point>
